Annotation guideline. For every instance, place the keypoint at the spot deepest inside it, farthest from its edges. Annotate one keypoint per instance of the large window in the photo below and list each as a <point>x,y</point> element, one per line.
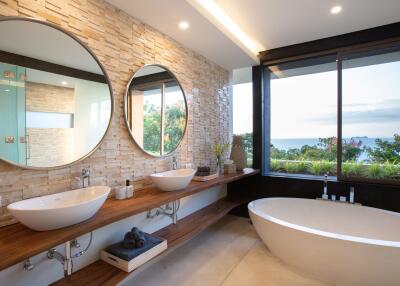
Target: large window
<point>242,116</point>
<point>361,91</point>
<point>371,114</point>
<point>303,117</point>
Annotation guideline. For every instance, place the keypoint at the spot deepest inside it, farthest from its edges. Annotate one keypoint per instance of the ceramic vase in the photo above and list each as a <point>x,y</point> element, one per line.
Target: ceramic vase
<point>238,152</point>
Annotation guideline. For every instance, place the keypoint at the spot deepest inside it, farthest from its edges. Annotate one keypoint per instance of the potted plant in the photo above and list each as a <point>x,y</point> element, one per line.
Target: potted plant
<point>219,150</point>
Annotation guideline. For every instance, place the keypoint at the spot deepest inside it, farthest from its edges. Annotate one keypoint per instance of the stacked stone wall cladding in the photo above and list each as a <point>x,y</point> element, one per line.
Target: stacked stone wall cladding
<point>122,45</point>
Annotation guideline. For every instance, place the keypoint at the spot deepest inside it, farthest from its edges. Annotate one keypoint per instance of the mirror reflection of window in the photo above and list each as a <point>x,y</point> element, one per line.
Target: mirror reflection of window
<point>175,116</point>
<point>151,127</point>
<point>155,110</point>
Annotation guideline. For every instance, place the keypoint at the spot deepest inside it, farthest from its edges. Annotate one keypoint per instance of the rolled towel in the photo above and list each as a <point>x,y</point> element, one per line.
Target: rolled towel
<point>129,241</point>
<point>139,237</point>
<point>203,169</point>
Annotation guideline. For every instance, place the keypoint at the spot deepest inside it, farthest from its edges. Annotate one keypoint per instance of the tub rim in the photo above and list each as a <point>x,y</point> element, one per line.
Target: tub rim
<point>386,243</point>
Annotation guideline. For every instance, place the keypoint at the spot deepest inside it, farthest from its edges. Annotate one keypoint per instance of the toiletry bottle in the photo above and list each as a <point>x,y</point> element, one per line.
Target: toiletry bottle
<point>129,189</point>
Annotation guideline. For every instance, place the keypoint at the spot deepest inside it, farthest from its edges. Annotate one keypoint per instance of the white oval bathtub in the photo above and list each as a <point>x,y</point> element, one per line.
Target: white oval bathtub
<point>333,242</point>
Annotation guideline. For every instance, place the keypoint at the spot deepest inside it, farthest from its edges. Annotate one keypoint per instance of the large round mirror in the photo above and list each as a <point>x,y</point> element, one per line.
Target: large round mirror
<point>155,110</point>
<point>55,99</point>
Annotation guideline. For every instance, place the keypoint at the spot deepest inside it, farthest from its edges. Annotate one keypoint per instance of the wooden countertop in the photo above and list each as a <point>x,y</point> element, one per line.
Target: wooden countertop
<point>17,242</point>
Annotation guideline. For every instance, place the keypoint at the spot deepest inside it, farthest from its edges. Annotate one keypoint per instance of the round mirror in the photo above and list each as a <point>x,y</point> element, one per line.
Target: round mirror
<point>155,110</point>
<point>55,98</point>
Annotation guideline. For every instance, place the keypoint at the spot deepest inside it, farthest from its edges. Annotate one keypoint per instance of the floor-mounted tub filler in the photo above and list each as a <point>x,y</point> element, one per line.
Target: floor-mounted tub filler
<point>337,243</point>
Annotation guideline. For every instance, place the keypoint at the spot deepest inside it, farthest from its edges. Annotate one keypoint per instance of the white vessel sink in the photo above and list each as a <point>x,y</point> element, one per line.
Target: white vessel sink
<point>173,180</point>
<point>59,210</point>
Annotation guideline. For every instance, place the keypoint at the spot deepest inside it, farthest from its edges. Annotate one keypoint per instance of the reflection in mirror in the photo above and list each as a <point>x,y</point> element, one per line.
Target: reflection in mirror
<point>55,107</point>
<point>155,110</point>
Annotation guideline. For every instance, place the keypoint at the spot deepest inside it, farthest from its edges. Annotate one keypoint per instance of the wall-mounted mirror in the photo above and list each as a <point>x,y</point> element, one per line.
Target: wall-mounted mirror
<point>55,99</point>
<point>155,110</point>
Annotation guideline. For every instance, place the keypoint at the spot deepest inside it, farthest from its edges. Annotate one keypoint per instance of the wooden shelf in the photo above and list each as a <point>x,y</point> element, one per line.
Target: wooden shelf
<point>17,242</point>
<point>102,273</point>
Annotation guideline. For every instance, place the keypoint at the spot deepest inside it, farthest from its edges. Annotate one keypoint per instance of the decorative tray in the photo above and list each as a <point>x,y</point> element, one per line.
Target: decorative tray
<point>130,259</point>
<point>205,178</point>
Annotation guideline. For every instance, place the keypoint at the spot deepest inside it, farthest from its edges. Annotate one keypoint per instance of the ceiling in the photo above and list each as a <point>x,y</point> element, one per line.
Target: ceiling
<point>202,36</point>
<point>279,23</point>
<point>270,23</point>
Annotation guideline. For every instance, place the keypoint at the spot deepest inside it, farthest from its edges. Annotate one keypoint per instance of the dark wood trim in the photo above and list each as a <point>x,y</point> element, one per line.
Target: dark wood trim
<point>257,116</point>
<point>339,118</point>
<point>102,273</point>
<point>33,63</point>
<point>29,242</point>
<point>150,79</point>
<point>330,44</point>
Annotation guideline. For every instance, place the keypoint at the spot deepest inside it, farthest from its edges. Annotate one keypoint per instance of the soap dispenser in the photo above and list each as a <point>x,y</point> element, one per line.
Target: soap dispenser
<point>129,189</point>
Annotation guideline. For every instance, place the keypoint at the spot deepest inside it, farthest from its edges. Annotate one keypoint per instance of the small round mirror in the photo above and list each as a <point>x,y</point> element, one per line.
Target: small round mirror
<point>155,110</point>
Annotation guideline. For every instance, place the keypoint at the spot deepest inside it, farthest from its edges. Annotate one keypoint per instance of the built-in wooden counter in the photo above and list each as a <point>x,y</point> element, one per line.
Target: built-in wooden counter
<point>17,242</point>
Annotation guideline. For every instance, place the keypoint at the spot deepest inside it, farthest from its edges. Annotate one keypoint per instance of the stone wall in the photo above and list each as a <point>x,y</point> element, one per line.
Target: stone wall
<point>49,146</point>
<point>49,98</point>
<point>123,45</point>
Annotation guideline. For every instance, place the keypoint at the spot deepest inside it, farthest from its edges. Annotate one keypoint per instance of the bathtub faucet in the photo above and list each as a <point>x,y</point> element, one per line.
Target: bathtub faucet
<point>351,196</point>
<point>325,194</point>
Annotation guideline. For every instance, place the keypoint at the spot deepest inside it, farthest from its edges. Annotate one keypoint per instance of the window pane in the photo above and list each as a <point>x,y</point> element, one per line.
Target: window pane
<point>151,121</point>
<point>243,115</point>
<point>371,115</point>
<point>304,116</point>
<point>174,116</point>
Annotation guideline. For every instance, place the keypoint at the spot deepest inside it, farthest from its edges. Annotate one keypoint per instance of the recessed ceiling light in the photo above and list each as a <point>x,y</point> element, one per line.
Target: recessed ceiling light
<point>183,25</point>
<point>336,9</point>
<point>64,83</point>
<point>6,90</point>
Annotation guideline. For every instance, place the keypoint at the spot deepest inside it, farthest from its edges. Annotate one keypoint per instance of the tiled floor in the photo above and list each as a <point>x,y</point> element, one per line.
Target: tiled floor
<point>227,254</point>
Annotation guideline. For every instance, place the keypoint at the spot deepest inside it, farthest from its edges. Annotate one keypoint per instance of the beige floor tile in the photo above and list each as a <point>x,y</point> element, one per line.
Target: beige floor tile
<point>230,253</point>
<point>260,268</point>
<point>205,260</point>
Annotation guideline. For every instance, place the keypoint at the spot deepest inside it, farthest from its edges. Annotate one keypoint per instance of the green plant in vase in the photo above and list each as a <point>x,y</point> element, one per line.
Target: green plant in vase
<point>219,150</point>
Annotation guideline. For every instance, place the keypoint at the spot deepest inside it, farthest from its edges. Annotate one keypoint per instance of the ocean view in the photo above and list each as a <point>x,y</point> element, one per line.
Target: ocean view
<point>286,144</point>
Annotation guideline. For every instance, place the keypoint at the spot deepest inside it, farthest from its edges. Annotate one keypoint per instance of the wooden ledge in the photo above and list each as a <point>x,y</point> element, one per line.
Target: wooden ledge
<point>17,242</point>
<point>102,273</point>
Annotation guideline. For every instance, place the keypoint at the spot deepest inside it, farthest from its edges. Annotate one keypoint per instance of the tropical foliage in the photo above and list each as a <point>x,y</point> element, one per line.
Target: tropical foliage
<point>174,123</point>
<point>383,161</point>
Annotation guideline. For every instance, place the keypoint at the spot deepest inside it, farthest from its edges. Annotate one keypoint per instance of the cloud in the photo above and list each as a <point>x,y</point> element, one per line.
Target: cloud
<point>383,112</point>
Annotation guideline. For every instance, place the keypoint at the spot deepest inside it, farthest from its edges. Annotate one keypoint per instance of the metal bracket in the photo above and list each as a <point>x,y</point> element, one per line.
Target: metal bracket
<point>167,210</point>
<point>28,266</point>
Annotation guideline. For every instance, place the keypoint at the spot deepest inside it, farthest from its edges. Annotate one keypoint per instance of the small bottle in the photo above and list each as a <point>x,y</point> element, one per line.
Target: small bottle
<point>129,189</point>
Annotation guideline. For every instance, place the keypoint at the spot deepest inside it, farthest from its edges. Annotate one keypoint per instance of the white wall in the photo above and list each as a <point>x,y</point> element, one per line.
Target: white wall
<point>92,113</point>
<point>47,271</point>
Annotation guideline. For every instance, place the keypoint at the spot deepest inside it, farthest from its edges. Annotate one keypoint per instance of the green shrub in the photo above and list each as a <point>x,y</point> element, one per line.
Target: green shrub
<point>321,167</point>
<point>375,171</point>
<point>352,169</point>
<point>346,169</point>
<point>276,165</point>
<point>391,170</point>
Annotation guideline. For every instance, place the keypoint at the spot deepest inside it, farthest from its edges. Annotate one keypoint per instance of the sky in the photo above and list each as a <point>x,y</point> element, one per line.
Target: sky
<point>306,106</point>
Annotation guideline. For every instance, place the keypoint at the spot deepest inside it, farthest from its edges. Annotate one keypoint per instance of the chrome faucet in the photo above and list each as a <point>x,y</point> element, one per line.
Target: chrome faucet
<point>325,194</point>
<point>351,197</point>
<point>174,163</point>
<point>85,175</point>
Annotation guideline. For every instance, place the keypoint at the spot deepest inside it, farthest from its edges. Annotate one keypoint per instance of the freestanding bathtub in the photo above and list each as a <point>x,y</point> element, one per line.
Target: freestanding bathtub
<point>337,243</point>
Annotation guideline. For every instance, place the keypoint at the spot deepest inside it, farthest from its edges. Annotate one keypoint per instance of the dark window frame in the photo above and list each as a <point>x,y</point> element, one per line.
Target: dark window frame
<point>379,38</point>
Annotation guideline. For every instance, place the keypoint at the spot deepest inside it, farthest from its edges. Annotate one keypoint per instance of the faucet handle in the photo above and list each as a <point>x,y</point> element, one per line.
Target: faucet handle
<point>85,172</point>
